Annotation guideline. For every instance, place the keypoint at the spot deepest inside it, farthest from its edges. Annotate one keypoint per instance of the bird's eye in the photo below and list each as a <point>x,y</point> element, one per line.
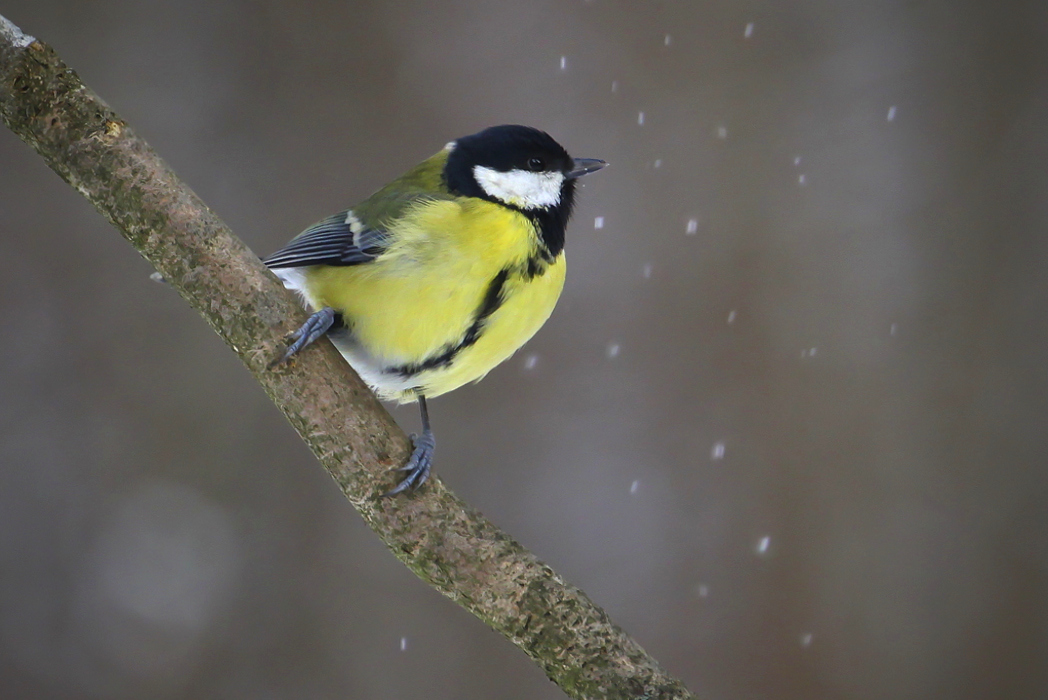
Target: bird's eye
<point>536,165</point>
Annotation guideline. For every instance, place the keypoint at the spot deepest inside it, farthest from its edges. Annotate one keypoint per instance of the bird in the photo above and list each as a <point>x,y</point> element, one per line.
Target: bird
<point>442,274</point>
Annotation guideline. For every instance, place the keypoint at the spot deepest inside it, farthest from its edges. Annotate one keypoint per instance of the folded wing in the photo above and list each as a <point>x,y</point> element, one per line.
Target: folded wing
<point>340,239</point>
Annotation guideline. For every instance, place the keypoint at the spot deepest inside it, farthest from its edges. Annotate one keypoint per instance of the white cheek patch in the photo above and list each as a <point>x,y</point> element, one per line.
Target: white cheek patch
<point>520,188</point>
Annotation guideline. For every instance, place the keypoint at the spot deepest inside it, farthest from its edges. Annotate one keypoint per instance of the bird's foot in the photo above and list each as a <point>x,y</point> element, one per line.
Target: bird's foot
<point>419,464</point>
<point>315,326</point>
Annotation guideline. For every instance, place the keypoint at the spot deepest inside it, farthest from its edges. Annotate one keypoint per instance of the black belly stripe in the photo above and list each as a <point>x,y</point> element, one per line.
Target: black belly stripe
<point>492,301</point>
<point>537,265</point>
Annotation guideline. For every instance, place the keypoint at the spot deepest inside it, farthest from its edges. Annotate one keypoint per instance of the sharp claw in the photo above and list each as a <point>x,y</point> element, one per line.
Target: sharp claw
<point>315,326</point>
<point>288,354</point>
<point>418,467</point>
<point>400,488</point>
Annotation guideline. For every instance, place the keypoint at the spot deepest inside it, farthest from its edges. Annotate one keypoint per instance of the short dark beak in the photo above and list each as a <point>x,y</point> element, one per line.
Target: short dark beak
<point>586,165</point>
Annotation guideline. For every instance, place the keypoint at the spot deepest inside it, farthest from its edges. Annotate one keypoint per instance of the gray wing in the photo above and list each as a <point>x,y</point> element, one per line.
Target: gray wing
<point>340,239</point>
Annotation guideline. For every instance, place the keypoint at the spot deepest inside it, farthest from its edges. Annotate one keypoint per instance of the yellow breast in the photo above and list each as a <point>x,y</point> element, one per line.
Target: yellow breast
<point>418,303</point>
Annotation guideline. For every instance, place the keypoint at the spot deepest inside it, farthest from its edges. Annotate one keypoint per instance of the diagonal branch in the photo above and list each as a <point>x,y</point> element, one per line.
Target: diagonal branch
<point>444,541</point>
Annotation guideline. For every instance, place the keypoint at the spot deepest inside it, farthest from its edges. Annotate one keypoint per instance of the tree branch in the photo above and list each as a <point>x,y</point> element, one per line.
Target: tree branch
<point>444,541</point>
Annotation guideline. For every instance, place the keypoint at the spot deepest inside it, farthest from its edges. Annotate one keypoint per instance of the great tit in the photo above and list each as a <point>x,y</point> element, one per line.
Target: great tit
<point>443,273</point>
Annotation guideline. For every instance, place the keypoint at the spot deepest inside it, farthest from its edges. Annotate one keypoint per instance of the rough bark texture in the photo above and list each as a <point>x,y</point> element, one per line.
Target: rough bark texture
<point>444,541</point>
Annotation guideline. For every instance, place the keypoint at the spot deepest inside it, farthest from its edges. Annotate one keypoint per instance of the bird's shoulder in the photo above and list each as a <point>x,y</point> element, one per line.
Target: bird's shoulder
<point>362,234</point>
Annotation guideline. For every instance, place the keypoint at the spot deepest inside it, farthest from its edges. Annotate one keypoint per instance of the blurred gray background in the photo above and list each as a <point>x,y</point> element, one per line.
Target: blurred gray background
<point>787,424</point>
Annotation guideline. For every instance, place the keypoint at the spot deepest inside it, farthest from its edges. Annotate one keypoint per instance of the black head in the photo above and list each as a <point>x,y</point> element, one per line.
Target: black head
<point>521,168</point>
